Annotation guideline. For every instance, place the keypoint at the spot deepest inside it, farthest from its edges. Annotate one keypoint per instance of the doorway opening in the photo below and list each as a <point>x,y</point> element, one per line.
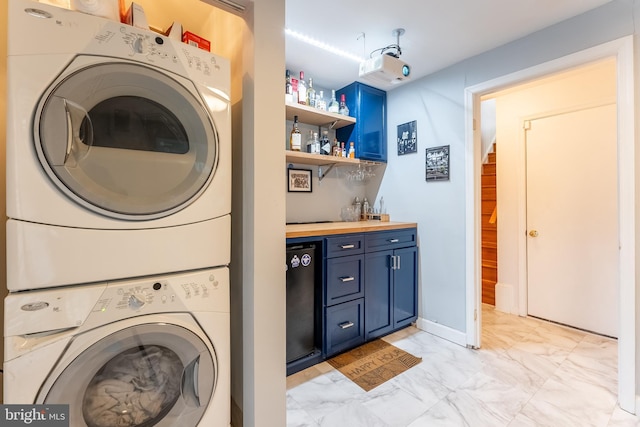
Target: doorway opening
<point>622,51</point>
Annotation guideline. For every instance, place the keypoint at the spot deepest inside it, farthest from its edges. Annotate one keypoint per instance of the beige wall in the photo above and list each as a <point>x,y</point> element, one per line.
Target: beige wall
<point>3,133</point>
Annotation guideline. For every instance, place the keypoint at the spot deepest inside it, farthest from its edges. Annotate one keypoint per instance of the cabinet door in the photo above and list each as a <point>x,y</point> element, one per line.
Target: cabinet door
<point>378,292</point>
<point>369,107</point>
<point>405,289</point>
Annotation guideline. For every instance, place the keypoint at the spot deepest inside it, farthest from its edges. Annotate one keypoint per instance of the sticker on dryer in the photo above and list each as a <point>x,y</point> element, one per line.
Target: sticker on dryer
<point>306,260</point>
<point>295,261</point>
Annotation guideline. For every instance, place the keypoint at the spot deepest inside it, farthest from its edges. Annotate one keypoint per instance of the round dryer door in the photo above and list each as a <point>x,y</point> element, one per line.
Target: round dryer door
<point>125,140</point>
<point>145,375</point>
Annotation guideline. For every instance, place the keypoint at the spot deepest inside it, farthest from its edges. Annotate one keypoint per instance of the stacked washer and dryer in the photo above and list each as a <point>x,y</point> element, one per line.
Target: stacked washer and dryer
<point>118,237</point>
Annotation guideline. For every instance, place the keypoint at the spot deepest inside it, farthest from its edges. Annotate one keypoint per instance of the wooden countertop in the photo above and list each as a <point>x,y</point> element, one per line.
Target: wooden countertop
<point>329,228</point>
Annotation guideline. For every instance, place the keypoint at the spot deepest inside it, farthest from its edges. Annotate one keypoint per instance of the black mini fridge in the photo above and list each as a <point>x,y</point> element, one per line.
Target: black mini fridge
<point>301,300</point>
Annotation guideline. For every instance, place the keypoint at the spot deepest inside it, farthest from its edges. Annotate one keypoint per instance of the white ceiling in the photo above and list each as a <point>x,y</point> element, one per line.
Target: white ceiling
<point>438,33</point>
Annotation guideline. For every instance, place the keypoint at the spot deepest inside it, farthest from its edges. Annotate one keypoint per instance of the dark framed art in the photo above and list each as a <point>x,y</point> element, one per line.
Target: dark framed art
<point>437,163</point>
<point>299,180</point>
<point>408,138</point>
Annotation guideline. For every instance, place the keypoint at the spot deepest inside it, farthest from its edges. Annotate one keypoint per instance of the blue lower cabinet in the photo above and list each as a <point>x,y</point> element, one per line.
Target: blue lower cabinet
<point>379,294</point>
<point>405,290</point>
<point>370,287</point>
<point>344,326</point>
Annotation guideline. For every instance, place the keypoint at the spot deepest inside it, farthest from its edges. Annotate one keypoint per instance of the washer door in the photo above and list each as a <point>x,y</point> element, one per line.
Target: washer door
<point>146,375</point>
<point>125,140</point>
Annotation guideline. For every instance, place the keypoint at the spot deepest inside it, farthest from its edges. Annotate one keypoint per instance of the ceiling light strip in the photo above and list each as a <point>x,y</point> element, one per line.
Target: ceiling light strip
<point>321,45</point>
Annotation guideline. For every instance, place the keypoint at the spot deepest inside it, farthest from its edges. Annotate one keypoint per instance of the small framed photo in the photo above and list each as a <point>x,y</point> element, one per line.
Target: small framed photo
<point>437,163</point>
<point>408,138</point>
<point>299,180</point>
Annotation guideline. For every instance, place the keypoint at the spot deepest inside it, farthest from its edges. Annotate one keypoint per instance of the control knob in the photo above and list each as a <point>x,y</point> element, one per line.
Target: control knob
<point>137,301</point>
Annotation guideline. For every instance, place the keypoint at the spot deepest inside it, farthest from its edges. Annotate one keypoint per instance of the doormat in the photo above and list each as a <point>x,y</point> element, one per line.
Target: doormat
<point>373,363</point>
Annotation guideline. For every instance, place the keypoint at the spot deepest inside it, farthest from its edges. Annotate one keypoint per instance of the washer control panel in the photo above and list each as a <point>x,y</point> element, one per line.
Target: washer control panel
<point>170,293</point>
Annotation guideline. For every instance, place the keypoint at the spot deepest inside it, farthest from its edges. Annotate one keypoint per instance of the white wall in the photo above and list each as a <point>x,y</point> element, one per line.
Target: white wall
<point>437,103</point>
<point>571,90</point>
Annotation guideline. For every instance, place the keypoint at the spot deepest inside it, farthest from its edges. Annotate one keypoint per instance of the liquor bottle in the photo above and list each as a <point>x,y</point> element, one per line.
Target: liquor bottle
<point>295,140</point>
<point>325,144</point>
<point>333,106</point>
<point>315,145</point>
<point>321,104</point>
<point>343,105</point>
<point>309,144</point>
<point>352,151</point>
<point>302,89</point>
<point>288,94</point>
<point>343,150</point>
<point>311,94</point>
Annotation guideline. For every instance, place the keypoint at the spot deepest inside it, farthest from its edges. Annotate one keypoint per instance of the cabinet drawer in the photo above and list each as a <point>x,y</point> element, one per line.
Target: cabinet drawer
<point>351,244</point>
<point>344,326</point>
<point>344,279</point>
<point>383,240</point>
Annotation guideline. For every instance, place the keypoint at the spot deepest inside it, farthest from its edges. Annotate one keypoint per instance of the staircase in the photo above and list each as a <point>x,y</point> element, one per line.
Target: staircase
<point>489,230</point>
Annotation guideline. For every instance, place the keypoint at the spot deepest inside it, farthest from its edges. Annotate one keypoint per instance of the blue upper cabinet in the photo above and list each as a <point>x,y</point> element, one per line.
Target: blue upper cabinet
<point>369,107</point>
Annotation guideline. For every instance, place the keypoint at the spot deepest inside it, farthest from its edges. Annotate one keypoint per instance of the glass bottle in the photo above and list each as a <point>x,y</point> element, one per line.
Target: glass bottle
<point>333,106</point>
<point>311,94</point>
<point>321,104</point>
<point>325,144</point>
<point>295,139</point>
<point>352,151</point>
<point>315,145</point>
<point>343,109</point>
<point>288,94</point>
<point>302,89</point>
<point>309,144</point>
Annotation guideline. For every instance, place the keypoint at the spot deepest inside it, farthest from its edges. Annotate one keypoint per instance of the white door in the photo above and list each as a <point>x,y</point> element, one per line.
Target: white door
<point>572,220</point>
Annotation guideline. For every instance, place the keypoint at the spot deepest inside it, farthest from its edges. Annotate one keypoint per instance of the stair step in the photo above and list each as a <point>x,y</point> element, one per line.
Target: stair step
<point>491,158</point>
<point>489,168</point>
<point>488,180</point>
<point>489,274</point>
<point>488,193</point>
<point>487,208</point>
<point>489,264</point>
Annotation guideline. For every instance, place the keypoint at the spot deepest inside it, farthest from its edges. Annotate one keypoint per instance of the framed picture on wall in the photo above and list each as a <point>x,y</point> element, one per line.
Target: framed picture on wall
<point>408,138</point>
<point>299,180</point>
<point>437,163</point>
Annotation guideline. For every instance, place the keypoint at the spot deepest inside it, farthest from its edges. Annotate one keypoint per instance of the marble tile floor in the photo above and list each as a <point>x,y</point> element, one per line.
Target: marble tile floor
<point>528,373</point>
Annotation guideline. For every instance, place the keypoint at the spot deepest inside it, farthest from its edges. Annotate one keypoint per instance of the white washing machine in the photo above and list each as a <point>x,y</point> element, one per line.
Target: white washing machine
<point>152,351</point>
<point>118,151</point>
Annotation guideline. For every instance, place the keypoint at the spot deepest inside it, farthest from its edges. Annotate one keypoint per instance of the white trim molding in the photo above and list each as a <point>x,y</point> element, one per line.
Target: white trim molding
<point>442,331</point>
<point>623,50</point>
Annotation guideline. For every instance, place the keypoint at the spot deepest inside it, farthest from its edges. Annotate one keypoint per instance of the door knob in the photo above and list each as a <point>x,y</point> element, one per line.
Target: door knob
<point>533,233</point>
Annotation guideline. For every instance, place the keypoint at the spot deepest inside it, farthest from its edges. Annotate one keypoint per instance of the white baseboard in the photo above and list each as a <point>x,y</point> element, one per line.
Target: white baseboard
<point>505,301</point>
<point>442,331</point>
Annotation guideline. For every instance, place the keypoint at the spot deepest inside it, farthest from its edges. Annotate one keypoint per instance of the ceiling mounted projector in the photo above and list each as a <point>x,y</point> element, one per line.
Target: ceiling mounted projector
<point>386,68</point>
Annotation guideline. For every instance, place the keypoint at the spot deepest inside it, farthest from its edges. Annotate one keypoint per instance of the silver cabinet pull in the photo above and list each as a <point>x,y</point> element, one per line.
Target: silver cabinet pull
<point>351,246</point>
<point>347,279</point>
<point>345,325</point>
<point>394,240</point>
<point>395,262</point>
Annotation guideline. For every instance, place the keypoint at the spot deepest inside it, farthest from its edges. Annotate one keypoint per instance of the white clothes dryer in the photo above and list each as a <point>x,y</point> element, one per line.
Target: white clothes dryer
<point>153,351</point>
<point>118,151</point>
